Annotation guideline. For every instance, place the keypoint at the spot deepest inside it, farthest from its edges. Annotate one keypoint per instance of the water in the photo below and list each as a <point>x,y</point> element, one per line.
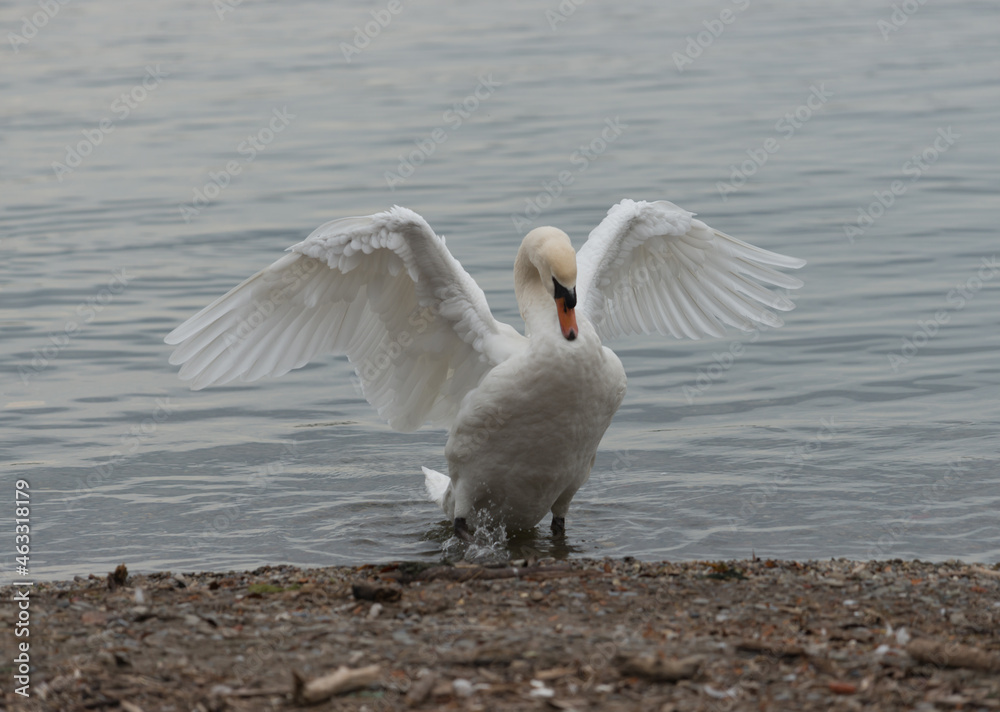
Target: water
<point>803,442</point>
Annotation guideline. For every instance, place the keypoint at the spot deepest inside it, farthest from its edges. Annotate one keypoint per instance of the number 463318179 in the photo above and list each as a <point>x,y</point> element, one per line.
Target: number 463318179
<point>21,529</point>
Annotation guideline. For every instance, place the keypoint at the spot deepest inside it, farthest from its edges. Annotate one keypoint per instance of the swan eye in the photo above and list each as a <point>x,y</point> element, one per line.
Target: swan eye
<point>562,293</point>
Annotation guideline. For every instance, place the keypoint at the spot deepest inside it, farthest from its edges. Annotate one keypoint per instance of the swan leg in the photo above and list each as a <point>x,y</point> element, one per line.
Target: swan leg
<point>462,529</point>
<point>559,509</point>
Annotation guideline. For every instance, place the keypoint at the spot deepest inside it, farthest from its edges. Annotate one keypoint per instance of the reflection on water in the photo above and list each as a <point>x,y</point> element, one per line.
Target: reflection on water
<point>807,441</point>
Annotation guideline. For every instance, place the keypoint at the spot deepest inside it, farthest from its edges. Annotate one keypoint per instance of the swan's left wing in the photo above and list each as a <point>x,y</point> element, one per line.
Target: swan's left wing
<point>653,267</point>
<point>382,289</point>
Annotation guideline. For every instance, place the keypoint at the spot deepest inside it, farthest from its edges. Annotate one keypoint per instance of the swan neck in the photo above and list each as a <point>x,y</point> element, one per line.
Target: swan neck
<point>528,288</point>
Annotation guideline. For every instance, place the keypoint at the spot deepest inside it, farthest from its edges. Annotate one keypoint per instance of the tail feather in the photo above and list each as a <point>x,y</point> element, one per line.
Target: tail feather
<point>436,485</point>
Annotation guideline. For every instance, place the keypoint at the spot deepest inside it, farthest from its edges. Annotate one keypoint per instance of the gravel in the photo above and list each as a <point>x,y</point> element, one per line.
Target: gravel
<point>612,634</point>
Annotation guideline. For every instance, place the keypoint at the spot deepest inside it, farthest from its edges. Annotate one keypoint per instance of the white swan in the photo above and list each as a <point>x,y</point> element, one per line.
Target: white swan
<point>526,413</point>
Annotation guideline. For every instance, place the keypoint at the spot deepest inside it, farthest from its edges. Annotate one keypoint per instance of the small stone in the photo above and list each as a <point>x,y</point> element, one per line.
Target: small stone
<point>365,591</point>
<point>94,617</point>
<point>420,690</point>
<point>842,688</point>
<point>118,577</point>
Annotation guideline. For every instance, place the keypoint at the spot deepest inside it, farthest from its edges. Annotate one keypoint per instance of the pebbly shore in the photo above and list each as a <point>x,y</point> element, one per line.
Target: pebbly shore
<point>584,634</point>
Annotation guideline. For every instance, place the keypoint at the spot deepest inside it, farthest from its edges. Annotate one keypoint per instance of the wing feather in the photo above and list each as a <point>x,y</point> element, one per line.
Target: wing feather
<point>653,267</point>
<point>383,290</point>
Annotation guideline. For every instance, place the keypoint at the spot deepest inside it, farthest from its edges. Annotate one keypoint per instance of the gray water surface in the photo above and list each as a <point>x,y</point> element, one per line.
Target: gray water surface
<point>865,427</point>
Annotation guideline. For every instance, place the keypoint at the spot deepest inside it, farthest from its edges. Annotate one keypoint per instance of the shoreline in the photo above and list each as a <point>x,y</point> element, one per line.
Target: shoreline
<point>579,634</point>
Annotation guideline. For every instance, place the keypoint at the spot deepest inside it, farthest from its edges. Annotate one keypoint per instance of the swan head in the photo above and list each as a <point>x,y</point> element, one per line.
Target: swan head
<point>551,253</point>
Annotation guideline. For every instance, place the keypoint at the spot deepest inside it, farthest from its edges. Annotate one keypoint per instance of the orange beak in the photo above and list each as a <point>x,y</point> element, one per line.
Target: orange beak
<point>567,319</point>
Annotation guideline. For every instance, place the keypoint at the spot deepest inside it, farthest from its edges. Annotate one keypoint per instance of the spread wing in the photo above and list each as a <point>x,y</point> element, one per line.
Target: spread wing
<point>653,267</point>
<point>382,289</point>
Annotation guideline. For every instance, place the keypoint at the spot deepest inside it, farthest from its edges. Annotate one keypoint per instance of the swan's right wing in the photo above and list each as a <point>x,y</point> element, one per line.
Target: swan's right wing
<point>382,289</point>
<point>654,267</point>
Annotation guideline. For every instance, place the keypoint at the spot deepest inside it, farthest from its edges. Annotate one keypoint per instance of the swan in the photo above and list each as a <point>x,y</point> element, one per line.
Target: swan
<point>525,413</point>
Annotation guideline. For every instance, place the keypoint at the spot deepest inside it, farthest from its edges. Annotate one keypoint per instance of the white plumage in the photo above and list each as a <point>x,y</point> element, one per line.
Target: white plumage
<point>525,413</point>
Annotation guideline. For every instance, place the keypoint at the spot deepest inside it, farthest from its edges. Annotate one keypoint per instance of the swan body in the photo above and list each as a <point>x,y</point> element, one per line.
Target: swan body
<point>525,439</point>
<point>525,413</point>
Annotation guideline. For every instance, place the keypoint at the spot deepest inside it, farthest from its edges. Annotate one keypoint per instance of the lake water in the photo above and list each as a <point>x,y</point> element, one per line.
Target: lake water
<point>150,160</point>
